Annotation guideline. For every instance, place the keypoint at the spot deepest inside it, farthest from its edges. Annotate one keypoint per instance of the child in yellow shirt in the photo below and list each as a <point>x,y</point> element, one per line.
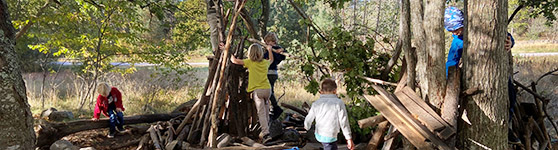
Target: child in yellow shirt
<point>258,84</point>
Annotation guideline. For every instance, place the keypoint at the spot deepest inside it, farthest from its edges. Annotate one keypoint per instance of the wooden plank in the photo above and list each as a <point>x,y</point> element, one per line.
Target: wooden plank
<point>419,113</point>
<point>448,130</point>
<point>398,121</point>
<point>402,81</point>
<point>388,144</point>
<point>394,104</point>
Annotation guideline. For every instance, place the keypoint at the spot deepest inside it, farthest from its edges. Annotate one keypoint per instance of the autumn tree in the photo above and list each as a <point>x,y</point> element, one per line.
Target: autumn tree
<point>16,127</point>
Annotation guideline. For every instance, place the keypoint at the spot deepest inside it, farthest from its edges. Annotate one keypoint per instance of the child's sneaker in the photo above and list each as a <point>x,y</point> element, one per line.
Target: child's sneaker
<point>121,130</point>
<point>110,135</point>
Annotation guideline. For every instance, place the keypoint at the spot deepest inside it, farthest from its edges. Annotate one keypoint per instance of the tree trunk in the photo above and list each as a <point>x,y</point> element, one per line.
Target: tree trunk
<point>16,127</point>
<point>419,37</point>
<point>405,37</point>
<point>434,29</point>
<point>485,66</point>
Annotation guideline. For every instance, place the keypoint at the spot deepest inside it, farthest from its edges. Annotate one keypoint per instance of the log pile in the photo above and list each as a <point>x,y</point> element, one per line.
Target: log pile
<point>411,117</point>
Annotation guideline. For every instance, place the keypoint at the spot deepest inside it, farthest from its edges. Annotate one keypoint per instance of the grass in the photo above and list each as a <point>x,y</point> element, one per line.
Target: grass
<point>534,47</point>
<point>142,91</point>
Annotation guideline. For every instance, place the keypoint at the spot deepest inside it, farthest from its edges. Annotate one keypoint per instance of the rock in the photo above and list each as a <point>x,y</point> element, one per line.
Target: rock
<point>52,114</point>
<point>291,135</point>
<point>45,113</point>
<point>88,148</point>
<point>63,145</point>
<point>223,140</point>
<point>61,116</point>
<point>276,129</point>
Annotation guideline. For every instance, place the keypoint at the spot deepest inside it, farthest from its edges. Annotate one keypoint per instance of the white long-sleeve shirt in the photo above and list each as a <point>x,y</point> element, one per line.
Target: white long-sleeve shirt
<point>330,114</point>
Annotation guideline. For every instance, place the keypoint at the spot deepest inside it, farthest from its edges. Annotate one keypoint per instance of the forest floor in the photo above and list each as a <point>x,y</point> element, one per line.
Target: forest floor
<point>98,139</point>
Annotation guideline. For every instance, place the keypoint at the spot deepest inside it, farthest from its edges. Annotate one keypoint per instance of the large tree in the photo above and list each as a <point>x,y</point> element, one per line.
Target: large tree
<point>16,127</point>
<point>485,67</point>
<point>435,49</point>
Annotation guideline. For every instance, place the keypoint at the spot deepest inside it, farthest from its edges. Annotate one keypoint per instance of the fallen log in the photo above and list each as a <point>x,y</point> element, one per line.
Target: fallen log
<point>371,121</point>
<point>48,133</point>
<point>296,109</point>
<point>377,137</point>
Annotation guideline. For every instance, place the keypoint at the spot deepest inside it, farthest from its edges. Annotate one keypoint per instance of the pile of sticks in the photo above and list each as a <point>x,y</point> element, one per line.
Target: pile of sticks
<point>528,118</point>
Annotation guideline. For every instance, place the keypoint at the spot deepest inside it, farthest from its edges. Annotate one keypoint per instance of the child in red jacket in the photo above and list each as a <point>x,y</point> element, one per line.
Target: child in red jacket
<point>109,102</point>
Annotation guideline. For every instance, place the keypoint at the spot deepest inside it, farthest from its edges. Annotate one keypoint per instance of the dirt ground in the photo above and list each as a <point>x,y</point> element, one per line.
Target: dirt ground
<point>98,140</point>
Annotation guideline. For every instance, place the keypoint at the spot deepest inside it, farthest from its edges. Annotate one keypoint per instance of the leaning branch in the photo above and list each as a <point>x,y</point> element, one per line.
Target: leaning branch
<point>378,81</point>
<point>304,16</point>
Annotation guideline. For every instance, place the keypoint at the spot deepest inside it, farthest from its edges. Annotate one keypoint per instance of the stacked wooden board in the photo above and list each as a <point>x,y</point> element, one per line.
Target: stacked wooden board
<point>415,120</point>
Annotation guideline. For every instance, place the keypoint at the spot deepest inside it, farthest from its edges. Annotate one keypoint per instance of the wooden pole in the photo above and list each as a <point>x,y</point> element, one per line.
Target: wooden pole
<point>219,88</point>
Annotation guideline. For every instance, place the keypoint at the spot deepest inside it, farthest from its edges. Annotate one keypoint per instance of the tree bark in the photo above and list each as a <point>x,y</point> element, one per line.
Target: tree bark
<point>418,40</point>
<point>485,66</point>
<point>264,18</point>
<point>405,37</point>
<point>16,127</point>
<point>434,29</point>
<point>51,132</point>
<point>451,101</point>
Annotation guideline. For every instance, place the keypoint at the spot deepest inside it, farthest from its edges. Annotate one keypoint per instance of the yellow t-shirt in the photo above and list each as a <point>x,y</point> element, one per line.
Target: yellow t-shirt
<point>257,76</point>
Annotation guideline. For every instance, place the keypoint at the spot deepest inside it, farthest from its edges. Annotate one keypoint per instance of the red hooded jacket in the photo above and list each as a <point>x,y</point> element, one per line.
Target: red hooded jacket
<point>103,103</point>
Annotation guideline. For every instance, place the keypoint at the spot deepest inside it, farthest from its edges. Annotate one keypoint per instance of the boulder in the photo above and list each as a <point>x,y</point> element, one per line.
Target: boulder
<point>61,116</point>
<point>52,114</point>
<point>45,113</point>
<point>63,145</point>
<point>88,148</point>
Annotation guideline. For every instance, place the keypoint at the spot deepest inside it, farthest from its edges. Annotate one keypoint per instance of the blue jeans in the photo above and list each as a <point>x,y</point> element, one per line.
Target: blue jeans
<point>116,119</point>
<point>330,146</point>
<point>276,110</point>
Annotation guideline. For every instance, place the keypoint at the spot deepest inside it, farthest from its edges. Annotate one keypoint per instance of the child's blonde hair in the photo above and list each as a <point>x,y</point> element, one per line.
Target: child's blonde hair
<point>103,89</point>
<point>329,85</point>
<point>271,37</point>
<point>255,52</point>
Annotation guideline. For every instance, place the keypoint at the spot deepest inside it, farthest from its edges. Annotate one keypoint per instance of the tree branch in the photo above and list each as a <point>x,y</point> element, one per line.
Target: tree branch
<point>304,16</point>
<point>33,19</point>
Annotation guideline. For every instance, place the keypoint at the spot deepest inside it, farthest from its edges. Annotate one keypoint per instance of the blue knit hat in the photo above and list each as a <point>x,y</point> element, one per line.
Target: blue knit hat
<point>453,19</point>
